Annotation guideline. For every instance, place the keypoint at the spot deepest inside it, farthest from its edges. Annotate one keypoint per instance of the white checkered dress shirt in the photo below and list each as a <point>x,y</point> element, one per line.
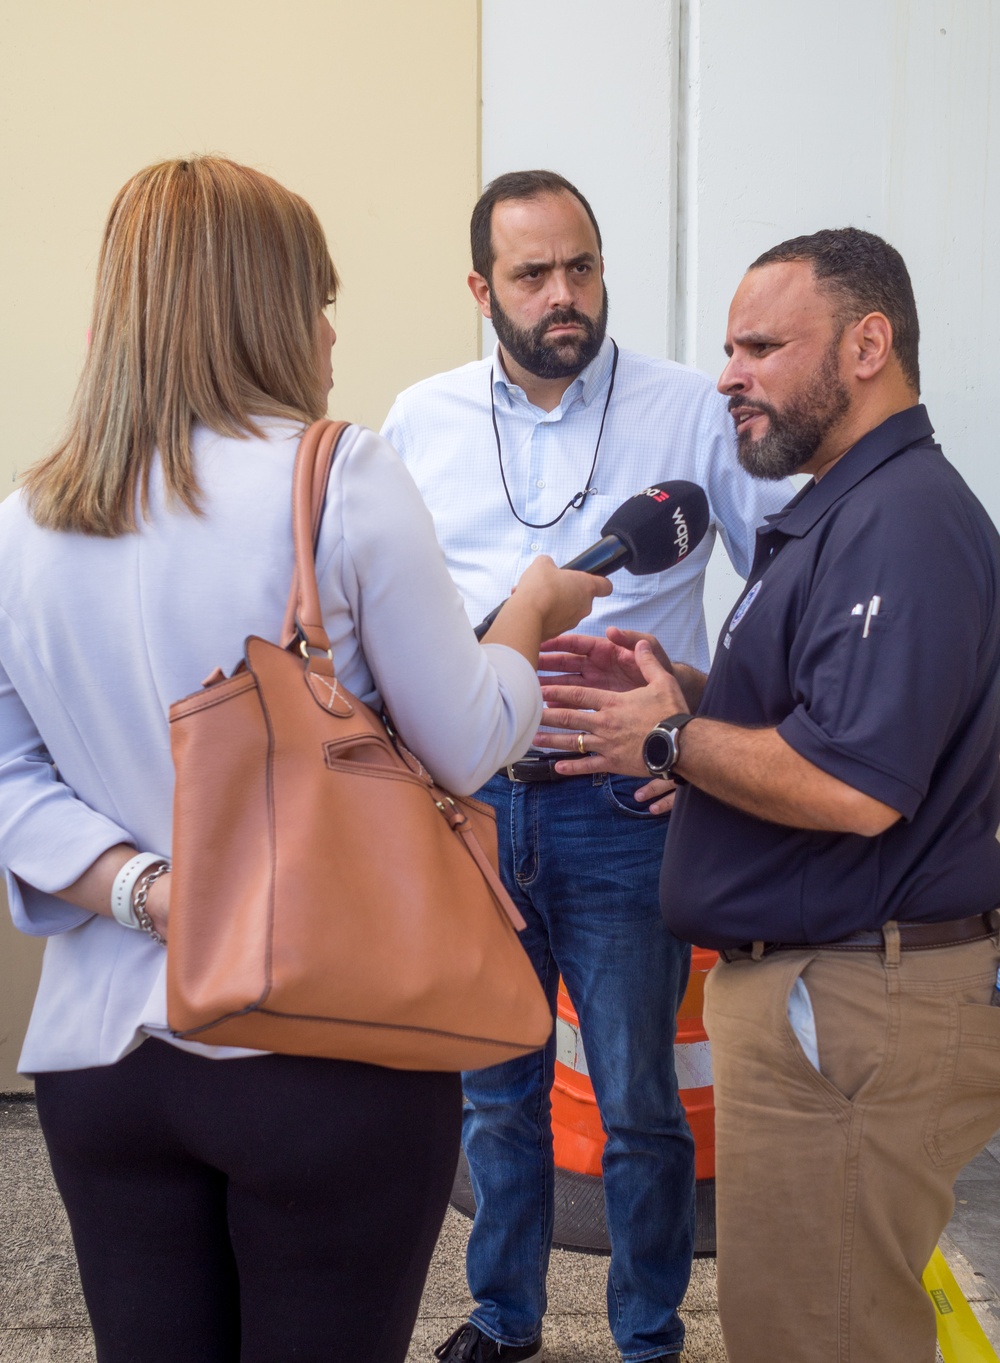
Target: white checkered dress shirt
<point>665,421</point>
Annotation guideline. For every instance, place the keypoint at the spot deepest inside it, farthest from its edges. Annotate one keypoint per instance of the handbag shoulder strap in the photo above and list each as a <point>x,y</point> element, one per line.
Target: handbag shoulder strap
<point>304,613</point>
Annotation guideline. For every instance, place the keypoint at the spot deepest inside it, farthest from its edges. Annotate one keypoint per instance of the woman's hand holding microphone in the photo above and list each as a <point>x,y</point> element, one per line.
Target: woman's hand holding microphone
<point>546,602</point>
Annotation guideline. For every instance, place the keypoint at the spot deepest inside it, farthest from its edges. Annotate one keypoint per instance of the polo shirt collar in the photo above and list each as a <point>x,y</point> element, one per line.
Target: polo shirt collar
<point>812,502</point>
<point>588,384</point>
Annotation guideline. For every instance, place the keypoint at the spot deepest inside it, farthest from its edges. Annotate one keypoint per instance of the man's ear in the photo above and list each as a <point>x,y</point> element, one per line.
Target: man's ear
<point>870,342</point>
<point>481,293</point>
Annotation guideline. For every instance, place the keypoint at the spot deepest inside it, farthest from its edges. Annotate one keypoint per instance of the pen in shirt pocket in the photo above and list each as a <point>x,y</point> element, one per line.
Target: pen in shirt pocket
<point>995,998</point>
<point>874,606</point>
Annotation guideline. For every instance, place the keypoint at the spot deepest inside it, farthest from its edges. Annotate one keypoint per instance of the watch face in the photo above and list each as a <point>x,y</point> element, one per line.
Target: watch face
<point>657,751</point>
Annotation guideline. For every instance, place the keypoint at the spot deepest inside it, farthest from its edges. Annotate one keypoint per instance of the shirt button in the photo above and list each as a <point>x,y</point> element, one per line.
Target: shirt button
<point>539,482</point>
<point>535,546</point>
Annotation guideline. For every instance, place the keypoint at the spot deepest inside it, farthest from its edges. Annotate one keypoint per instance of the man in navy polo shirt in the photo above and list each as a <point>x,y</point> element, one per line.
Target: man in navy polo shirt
<point>834,838</point>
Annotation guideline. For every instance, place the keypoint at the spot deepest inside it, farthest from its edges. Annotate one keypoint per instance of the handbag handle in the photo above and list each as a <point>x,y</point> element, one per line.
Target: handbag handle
<point>303,613</point>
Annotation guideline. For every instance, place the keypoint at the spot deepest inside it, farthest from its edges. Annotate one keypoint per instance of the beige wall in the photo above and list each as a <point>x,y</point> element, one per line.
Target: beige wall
<point>20,959</point>
<point>368,108</point>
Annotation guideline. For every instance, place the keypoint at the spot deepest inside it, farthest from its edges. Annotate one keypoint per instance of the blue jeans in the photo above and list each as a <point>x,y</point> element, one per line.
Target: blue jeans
<point>582,860</point>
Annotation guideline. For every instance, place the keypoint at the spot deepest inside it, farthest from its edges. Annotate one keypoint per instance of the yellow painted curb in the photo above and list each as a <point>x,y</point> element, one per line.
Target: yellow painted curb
<point>960,1336</point>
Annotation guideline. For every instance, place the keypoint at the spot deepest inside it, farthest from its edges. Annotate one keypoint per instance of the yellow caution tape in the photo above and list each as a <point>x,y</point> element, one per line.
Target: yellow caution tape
<point>960,1336</point>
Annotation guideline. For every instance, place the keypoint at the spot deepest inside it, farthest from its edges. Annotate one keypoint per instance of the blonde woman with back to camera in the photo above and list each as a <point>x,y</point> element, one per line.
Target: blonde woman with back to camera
<point>225,1205</point>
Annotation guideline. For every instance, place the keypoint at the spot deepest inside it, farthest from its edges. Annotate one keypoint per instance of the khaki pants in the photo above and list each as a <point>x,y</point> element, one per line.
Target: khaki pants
<point>834,1185</point>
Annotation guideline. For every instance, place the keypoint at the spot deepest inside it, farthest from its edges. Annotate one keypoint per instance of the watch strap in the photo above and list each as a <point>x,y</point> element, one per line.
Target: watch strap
<point>125,883</point>
<point>676,723</point>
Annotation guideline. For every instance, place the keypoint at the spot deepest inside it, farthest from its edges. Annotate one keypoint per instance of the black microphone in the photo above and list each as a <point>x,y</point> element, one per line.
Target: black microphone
<point>652,531</point>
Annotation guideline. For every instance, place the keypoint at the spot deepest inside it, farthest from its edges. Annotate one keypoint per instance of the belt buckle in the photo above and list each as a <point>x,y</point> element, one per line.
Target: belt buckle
<point>732,954</point>
<point>747,952</point>
<point>531,763</point>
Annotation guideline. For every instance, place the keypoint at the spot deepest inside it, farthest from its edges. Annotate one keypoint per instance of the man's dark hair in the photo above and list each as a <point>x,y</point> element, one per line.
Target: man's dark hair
<point>864,274</point>
<point>516,184</point>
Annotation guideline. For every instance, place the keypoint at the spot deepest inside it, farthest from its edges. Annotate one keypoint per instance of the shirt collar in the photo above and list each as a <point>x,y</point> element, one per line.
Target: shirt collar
<point>587,385</point>
<point>811,503</point>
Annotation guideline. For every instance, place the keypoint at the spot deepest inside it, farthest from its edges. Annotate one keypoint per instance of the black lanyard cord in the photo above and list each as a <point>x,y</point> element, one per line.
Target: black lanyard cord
<point>579,498</point>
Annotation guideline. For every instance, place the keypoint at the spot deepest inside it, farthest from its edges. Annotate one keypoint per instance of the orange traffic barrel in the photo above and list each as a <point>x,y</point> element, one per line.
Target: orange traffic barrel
<point>578,1137</point>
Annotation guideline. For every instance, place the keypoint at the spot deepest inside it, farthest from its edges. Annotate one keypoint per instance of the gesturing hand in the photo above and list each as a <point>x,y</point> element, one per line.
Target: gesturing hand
<point>604,664</point>
<point>613,723</point>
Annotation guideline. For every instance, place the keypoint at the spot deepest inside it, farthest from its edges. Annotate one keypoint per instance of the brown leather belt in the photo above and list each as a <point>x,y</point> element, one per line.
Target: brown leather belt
<point>912,937</point>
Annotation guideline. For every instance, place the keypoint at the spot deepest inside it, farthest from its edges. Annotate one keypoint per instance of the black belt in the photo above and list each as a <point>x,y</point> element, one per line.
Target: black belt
<point>912,937</point>
<point>537,766</point>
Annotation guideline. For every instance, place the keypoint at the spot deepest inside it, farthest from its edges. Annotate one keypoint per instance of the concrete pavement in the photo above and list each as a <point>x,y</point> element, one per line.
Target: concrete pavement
<point>42,1317</point>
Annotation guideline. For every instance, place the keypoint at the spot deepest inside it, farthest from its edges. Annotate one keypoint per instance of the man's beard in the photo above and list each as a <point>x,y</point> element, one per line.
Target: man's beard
<point>562,358</point>
<point>794,434</point>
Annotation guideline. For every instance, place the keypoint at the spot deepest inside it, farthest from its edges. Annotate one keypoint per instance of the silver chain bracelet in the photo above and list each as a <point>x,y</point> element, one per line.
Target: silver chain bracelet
<point>140,897</point>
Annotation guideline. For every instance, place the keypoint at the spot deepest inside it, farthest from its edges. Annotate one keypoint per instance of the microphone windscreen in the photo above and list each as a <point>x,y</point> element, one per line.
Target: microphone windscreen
<point>660,525</point>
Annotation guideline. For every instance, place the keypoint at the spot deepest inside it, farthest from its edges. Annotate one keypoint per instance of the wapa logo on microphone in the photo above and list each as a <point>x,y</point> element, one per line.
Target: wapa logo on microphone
<point>683,540</point>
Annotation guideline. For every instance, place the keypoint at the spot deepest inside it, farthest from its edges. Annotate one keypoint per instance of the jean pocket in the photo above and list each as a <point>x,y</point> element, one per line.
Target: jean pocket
<point>968,1112</point>
<point>619,791</point>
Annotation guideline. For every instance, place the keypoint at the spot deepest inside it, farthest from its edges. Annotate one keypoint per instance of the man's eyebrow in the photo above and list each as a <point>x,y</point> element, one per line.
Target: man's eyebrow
<point>584,258</point>
<point>751,338</point>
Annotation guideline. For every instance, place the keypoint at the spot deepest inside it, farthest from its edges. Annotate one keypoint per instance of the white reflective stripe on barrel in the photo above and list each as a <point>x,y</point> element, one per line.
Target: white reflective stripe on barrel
<point>693,1064</point>
<point>569,1047</point>
<point>692,1061</point>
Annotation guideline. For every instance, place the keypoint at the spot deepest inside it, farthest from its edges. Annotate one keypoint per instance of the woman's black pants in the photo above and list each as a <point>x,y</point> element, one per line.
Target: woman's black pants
<point>261,1210</point>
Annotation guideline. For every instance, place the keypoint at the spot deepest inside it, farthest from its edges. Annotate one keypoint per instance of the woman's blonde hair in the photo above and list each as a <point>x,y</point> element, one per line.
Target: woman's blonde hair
<point>210,284</point>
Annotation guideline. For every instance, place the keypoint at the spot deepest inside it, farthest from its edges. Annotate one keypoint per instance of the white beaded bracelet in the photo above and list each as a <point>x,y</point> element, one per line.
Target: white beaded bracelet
<point>124,887</point>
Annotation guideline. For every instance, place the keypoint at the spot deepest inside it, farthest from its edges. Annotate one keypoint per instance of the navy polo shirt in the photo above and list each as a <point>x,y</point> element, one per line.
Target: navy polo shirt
<point>869,635</point>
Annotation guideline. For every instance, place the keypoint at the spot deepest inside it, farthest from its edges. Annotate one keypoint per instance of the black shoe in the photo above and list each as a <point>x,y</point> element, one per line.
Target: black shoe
<point>469,1345</point>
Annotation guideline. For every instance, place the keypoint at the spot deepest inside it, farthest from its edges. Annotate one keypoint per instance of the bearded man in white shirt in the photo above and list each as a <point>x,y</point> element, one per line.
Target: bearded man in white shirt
<point>529,452</point>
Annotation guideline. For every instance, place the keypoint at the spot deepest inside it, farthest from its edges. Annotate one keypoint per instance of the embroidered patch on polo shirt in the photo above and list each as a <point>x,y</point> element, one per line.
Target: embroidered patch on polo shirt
<point>745,604</point>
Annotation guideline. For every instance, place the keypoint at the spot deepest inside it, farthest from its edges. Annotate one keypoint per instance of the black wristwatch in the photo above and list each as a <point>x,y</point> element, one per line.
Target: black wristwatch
<point>660,750</point>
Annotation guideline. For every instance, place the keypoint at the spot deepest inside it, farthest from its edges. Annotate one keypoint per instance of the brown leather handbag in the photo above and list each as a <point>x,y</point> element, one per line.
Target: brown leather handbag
<point>327,897</point>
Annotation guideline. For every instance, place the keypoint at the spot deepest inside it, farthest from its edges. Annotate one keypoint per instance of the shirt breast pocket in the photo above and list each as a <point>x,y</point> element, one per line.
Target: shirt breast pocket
<point>875,626</point>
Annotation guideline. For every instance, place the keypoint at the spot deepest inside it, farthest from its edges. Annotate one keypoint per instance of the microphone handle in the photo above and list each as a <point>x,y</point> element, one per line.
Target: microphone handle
<point>601,558</point>
<point>487,620</point>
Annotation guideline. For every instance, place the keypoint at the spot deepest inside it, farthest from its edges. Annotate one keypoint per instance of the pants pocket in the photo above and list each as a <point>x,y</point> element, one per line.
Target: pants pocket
<point>969,1111</point>
<point>619,791</point>
<point>853,1021</point>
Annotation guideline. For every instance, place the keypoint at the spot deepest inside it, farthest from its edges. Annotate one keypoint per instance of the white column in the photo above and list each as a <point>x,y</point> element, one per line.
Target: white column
<point>588,89</point>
